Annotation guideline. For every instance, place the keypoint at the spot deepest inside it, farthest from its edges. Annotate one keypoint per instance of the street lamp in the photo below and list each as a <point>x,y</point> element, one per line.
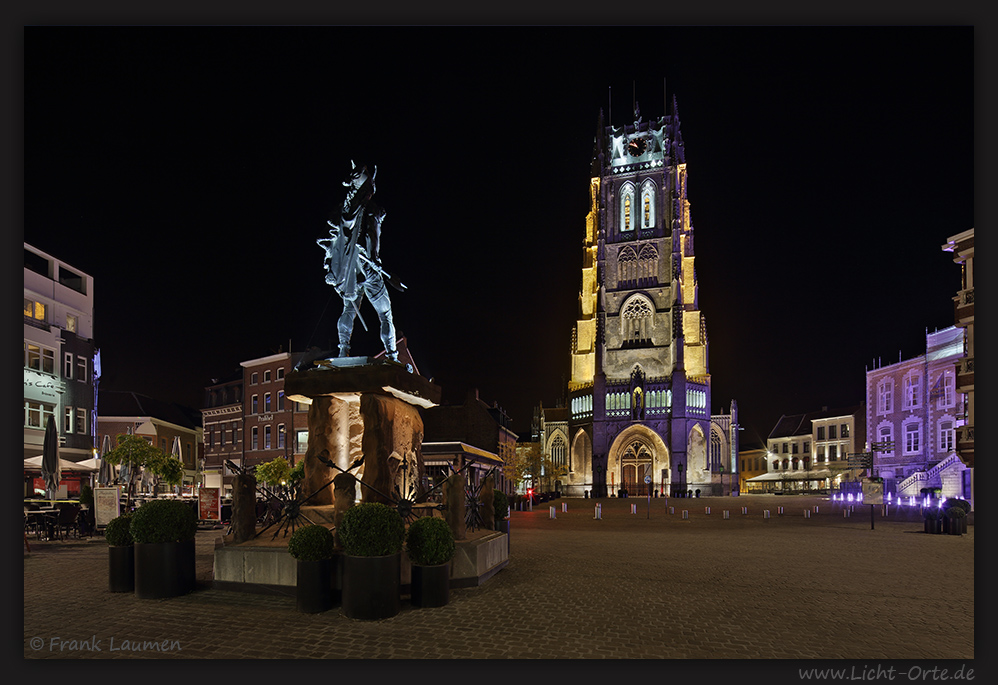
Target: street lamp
<point>721,467</point>
<point>679,467</point>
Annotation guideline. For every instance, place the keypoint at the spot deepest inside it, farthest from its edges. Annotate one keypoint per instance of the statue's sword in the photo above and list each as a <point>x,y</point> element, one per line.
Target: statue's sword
<point>389,279</point>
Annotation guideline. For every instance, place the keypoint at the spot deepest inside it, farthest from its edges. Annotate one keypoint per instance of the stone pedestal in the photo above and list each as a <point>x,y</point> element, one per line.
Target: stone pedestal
<point>363,417</point>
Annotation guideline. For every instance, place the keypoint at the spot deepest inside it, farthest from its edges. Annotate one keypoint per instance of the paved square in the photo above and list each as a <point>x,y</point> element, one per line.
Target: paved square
<point>627,586</point>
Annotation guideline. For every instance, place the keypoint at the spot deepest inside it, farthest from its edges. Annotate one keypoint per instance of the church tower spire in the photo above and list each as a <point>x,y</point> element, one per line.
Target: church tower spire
<point>639,394</point>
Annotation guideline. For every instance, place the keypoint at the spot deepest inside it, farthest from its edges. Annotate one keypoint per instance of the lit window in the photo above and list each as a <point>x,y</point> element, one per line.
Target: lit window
<point>266,437</point>
<point>844,432</point>
<point>280,436</point>
<point>627,213</point>
<point>67,366</point>
<point>912,438</point>
<point>302,441</point>
<point>912,390</point>
<point>647,211</point>
<point>81,420</point>
<point>266,402</point>
<point>70,323</point>
<point>947,436</point>
<point>67,422</point>
<point>34,310</point>
<point>885,392</point>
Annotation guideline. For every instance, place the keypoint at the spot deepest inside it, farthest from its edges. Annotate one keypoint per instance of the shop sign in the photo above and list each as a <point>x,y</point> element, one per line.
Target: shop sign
<point>42,386</point>
<point>107,505</point>
<point>210,504</point>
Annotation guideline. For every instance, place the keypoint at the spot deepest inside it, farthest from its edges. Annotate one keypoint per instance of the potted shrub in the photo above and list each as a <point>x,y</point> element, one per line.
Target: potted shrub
<point>956,519</point>
<point>312,546</point>
<point>120,554</point>
<point>372,535</point>
<point>429,543</point>
<point>501,505</point>
<point>933,522</point>
<point>164,531</point>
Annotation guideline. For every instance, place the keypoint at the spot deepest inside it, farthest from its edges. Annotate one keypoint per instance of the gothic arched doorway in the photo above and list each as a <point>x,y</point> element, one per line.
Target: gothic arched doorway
<point>636,452</point>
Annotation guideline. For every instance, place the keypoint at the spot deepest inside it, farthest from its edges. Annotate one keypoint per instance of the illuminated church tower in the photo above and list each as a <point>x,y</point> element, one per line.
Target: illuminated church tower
<point>639,396</point>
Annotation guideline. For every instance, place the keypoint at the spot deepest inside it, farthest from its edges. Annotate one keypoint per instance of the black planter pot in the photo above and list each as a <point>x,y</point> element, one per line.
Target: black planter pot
<point>371,586</point>
<point>186,566</point>
<point>159,570</point>
<point>955,526</point>
<point>315,586</point>
<point>121,568</point>
<point>933,526</point>
<point>430,585</point>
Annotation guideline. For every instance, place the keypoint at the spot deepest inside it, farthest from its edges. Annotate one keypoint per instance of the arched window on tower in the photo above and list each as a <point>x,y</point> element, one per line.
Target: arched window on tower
<point>636,322</point>
<point>559,452</point>
<point>626,208</point>
<point>647,265</point>
<point>627,267</point>
<point>648,205</point>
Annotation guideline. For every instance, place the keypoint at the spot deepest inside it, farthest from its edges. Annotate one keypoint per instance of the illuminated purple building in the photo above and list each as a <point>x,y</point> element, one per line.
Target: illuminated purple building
<point>640,397</point>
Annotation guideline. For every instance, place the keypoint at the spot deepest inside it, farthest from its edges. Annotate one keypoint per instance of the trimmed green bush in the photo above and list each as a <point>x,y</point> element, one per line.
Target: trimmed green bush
<point>956,502</point>
<point>956,512</point>
<point>117,533</point>
<point>501,505</point>
<point>164,520</point>
<point>932,513</point>
<point>429,541</point>
<point>371,529</point>
<point>311,543</point>
<point>86,495</point>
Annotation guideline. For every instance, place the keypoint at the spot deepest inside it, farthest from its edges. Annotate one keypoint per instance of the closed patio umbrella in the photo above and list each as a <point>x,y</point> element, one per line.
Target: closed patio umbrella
<point>176,453</point>
<point>106,473</point>
<point>51,471</point>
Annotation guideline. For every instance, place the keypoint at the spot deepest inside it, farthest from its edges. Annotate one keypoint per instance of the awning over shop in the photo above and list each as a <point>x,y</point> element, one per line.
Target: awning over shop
<point>820,474</point>
<point>35,464</point>
<point>445,452</point>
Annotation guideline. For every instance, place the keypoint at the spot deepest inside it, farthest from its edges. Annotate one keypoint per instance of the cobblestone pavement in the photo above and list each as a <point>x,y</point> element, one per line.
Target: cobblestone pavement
<point>631,585</point>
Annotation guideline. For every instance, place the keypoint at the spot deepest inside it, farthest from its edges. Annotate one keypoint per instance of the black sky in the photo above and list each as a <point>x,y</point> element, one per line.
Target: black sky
<point>190,170</point>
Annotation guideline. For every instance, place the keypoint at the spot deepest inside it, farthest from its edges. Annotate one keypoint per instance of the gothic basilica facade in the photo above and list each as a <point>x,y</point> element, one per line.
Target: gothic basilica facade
<point>639,399</point>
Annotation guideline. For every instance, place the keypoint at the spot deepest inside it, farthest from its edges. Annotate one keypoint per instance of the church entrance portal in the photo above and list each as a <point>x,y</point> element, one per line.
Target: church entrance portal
<point>637,452</point>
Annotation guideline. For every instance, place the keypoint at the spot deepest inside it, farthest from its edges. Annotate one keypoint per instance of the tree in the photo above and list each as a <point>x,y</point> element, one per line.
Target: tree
<point>523,462</point>
<point>136,452</point>
<point>551,471</point>
<point>275,472</point>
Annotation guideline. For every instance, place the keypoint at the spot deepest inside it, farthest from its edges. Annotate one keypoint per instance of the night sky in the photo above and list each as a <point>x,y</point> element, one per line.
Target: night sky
<point>190,171</point>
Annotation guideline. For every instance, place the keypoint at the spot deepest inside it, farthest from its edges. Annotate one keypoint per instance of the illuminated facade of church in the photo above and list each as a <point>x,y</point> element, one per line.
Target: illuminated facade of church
<point>639,398</point>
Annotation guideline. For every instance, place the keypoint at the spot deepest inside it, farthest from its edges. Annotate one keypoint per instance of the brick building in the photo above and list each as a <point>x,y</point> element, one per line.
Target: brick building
<point>916,405</point>
<point>962,247</point>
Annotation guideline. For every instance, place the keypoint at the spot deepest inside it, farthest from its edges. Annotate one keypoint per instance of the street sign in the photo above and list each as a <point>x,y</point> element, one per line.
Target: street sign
<point>647,479</point>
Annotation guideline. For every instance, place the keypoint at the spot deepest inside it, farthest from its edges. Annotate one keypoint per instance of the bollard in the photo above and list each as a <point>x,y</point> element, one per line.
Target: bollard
<point>780,511</point>
<point>744,510</point>
<point>672,510</point>
<point>845,513</point>
<point>598,513</point>
<point>815,508</point>
<point>686,514</point>
<point>807,513</point>
<point>707,510</point>
<point>765,514</point>
<point>564,507</point>
<point>726,512</point>
<point>551,512</point>
<point>634,508</point>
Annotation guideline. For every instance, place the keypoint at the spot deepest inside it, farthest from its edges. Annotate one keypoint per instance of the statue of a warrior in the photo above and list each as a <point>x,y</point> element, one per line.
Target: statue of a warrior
<point>353,262</point>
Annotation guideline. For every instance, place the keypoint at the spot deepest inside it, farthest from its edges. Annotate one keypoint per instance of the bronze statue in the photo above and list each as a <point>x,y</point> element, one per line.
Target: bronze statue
<point>353,261</point>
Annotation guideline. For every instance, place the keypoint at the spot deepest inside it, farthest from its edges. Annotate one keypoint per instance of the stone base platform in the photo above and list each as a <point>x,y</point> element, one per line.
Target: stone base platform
<point>264,566</point>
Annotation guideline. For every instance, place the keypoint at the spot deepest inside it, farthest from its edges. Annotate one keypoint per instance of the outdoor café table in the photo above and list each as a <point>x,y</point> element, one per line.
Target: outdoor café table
<point>43,521</point>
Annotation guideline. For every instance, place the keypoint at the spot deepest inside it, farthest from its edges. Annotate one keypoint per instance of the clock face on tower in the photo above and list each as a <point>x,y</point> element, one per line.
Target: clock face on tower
<point>636,147</point>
